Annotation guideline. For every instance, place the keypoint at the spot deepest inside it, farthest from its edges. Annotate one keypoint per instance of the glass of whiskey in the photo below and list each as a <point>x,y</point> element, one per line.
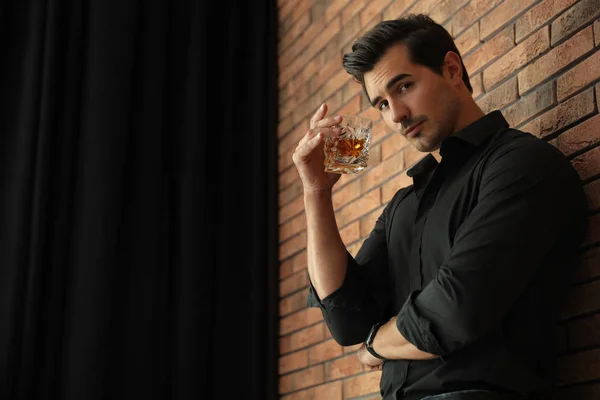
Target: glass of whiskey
<point>349,152</point>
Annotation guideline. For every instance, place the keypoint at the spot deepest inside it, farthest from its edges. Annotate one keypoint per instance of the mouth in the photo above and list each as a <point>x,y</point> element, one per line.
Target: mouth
<point>413,130</point>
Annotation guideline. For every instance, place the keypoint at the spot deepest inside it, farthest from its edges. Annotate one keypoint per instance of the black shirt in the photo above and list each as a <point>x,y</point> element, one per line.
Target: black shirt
<point>472,258</point>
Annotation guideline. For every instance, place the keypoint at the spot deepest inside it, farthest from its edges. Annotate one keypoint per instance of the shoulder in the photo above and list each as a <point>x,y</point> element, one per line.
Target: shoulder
<point>526,154</point>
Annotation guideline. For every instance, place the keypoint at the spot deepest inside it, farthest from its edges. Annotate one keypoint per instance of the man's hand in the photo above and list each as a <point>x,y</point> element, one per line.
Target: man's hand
<point>309,157</point>
<point>367,359</point>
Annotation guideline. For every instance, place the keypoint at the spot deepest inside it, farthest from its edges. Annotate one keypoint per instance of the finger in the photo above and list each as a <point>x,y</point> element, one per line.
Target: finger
<point>329,121</point>
<point>310,145</point>
<point>319,114</point>
<point>327,132</point>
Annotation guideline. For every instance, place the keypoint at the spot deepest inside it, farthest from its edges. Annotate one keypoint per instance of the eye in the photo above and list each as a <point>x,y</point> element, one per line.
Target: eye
<point>405,86</point>
<point>383,105</point>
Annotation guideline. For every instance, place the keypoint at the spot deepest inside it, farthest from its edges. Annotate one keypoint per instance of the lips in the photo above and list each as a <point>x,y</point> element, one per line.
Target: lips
<point>413,130</point>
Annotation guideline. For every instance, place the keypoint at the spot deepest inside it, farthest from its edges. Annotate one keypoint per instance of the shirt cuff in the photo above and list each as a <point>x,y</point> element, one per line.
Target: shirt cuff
<point>352,294</point>
<point>416,329</point>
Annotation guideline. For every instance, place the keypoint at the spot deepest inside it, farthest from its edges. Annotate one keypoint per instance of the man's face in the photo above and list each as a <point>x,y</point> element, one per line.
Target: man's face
<point>413,100</point>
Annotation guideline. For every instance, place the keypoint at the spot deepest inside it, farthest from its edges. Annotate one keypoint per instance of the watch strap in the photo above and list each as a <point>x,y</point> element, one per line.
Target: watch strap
<point>369,341</point>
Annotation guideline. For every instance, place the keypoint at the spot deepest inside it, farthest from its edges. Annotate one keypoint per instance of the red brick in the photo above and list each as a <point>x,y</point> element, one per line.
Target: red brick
<point>580,136</point>
<point>574,18</point>
<point>580,367</point>
<point>468,39</point>
<point>292,227</point>
<point>390,188</point>
<point>471,13</point>
<point>291,209</point>
<point>352,89</point>
<point>518,57</point>
<point>293,303</point>
<point>424,7</point>
<point>305,394</point>
<point>346,194</point>
<point>287,7</point>
<point>299,320</point>
<point>444,10</point>
<point>293,362</point>
<point>353,8</point>
<point>392,145</point>
<point>358,208</point>
<point>291,140</point>
<point>567,113</point>
<point>557,59</point>
<point>329,391</point>
<point>307,337</point>
<point>299,261</point>
<point>335,82</point>
<point>284,345</point>
<point>588,265</point>
<point>334,8</point>
<point>342,367</point>
<point>502,15</point>
<point>292,246</point>
<point>302,59</point>
<point>580,392</point>
<point>350,32</point>
<point>293,283</point>
<point>530,105</point>
<point>538,16</point>
<point>301,8</point>
<point>288,177</point>
<point>477,85</point>
<point>370,112</point>
<point>290,193</point>
<point>372,10</point>
<point>326,332</point>
<point>354,248</point>
<point>380,132</point>
<point>325,73</point>
<point>489,51</point>
<point>350,233</point>
<point>581,299</point>
<point>324,351</point>
<point>362,385</point>
<point>588,164</point>
<point>301,379</point>
<point>396,9</point>
<point>499,97</point>
<point>584,332</point>
<point>286,269</point>
<point>352,107</point>
<point>307,36</point>
<point>579,76</point>
<point>597,32</point>
<point>294,33</point>
<point>592,192</point>
<point>284,126</point>
<point>367,223</point>
<point>382,172</point>
<point>374,157</point>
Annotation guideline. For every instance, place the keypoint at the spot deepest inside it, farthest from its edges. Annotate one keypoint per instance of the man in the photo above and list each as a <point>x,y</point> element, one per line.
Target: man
<point>455,291</point>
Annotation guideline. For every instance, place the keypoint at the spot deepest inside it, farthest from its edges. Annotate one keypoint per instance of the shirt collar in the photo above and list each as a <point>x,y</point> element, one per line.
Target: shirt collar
<point>474,134</point>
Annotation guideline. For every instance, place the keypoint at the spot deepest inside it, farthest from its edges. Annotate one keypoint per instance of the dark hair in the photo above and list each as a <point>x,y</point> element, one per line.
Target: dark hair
<point>427,42</point>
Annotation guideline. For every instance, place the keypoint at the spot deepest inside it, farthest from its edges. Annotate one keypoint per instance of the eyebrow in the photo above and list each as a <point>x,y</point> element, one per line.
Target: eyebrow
<point>395,79</point>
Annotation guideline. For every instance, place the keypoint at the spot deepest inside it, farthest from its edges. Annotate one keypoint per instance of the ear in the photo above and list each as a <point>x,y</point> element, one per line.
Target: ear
<point>453,69</point>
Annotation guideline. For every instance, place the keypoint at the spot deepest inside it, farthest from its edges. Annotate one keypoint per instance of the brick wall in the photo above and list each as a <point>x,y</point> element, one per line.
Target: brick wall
<point>537,61</point>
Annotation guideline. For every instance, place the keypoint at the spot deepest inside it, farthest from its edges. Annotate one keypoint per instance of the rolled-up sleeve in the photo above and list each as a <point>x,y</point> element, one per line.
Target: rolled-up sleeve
<point>530,200</point>
<point>361,300</point>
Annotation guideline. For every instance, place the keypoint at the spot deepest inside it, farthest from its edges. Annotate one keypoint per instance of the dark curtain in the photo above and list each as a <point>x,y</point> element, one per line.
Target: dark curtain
<point>138,231</point>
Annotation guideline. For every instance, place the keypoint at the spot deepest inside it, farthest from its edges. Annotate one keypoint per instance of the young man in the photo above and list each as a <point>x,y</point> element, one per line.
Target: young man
<point>455,291</point>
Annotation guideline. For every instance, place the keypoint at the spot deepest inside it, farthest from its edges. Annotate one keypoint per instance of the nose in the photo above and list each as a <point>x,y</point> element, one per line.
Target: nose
<point>399,111</point>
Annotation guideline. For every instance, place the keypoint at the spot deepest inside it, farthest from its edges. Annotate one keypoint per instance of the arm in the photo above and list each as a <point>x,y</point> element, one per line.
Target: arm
<point>527,202</point>
<point>347,306</point>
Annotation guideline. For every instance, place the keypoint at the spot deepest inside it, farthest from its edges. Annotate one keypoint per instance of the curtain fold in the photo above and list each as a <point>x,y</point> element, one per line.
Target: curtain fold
<point>138,199</point>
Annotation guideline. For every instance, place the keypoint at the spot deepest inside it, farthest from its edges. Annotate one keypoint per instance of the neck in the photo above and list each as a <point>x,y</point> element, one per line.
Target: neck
<point>470,113</point>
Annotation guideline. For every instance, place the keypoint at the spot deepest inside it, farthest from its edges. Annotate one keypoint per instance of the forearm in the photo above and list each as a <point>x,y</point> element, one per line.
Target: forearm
<point>326,253</point>
<point>390,343</point>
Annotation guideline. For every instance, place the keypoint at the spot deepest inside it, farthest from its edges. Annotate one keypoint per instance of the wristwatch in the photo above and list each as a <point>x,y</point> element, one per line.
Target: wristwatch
<point>370,338</point>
